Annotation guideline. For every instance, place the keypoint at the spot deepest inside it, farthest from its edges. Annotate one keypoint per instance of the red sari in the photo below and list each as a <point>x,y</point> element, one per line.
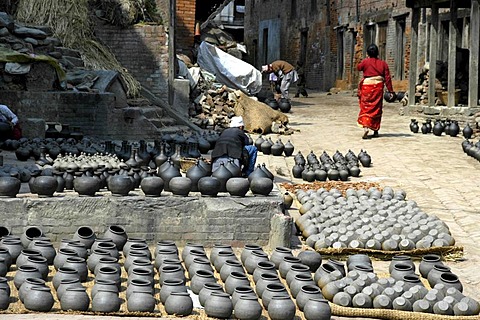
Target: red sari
<point>371,104</point>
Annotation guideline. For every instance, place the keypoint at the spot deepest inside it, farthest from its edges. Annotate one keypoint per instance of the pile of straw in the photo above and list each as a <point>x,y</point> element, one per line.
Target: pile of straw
<point>70,22</point>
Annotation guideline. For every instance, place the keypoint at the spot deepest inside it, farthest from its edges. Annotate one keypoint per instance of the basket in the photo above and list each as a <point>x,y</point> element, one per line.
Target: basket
<point>187,163</point>
<point>443,97</point>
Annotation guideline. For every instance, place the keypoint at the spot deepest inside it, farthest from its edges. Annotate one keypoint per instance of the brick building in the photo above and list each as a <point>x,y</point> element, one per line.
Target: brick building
<point>329,36</point>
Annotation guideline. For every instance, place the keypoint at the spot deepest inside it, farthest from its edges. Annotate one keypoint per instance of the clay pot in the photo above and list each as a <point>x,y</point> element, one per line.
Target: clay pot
<point>139,285</point>
<point>200,278</point>
<point>117,234</point>
<point>163,254</point>
<point>401,259</point>
<point>80,265</point>
<point>39,299</point>
<point>103,285</point>
<point>296,269</point>
<point>312,259</point>
<point>265,279</point>
<point>5,259</point>
<point>106,300</point>
<point>152,186</point>
<point>234,280</point>
<point>171,272</point>
<point>64,273</point>
<point>262,268</point>
<point>237,187</point>
<point>317,309</point>
<point>273,290</point>
<point>109,273</point>
<point>65,284</point>
<point>29,234</point>
<point>61,257</point>
<point>141,301</point>
<point>25,254</point>
<point>281,308</point>
<point>230,266</point>
<point>94,258</point>
<point>207,289</point>
<point>180,186</point>
<point>9,187</point>
<point>78,247</point>
<point>306,293</point>
<point>45,186</point>
<point>86,235</point>
<point>278,254</point>
<point>253,259</point>
<point>75,299</point>
<point>400,270</point>
<point>40,263</point>
<point>169,286</point>
<point>288,149</point>
<point>247,308</point>
<point>23,273</point>
<point>261,186</point>
<point>27,286</point>
<point>219,305</point>
<point>427,263</point>
<point>286,264</point>
<point>209,186</point>
<point>119,185</point>
<point>86,186</point>
<point>14,247</point>
<point>179,304</point>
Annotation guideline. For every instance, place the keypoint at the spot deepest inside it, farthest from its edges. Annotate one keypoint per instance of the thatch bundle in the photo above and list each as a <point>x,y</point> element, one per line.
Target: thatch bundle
<point>70,22</point>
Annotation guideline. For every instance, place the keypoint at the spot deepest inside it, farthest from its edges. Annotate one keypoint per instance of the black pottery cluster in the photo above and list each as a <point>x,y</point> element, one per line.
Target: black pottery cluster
<point>326,167</point>
<point>277,148</point>
<point>284,105</point>
<point>440,127</point>
<point>471,149</point>
<point>120,266</point>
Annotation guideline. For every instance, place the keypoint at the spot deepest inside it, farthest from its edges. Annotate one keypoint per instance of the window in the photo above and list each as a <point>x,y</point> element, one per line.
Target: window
<point>368,35</point>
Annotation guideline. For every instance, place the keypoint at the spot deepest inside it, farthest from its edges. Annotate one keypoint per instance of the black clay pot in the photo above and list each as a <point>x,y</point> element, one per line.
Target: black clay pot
<point>209,186</point>
<point>277,148</point>
<point>152,186</point>
<point>86,186</point>
<point>289,148</point>
<point>119,185</point>
<point>223,175</point>
<point>45,186</point>
<point>195,173</point>
<point>9,187</point>
<point>117,234</point>
<point>284,105</point>
<point>237,187</point>
<point>467,131</point>
<point>180,186</point>
<point>261,186</point>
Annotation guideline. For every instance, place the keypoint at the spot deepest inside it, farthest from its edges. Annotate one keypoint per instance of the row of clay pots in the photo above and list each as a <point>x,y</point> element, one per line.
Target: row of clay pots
<point>277,148</point>
<point>358,286</point>
<point>372,219</point>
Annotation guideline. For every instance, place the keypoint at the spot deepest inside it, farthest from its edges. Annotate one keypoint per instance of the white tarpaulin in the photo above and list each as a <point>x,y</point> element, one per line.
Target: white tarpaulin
<point>230,71</point>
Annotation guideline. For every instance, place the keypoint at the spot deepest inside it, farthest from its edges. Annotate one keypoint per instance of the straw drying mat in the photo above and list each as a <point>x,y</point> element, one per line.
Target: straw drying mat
<point>448,253</point>
<point>258,116</point>
<point>392,314</point>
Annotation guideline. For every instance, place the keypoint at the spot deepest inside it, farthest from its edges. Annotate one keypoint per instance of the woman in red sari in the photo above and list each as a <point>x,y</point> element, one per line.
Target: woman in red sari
<point>376,75</point>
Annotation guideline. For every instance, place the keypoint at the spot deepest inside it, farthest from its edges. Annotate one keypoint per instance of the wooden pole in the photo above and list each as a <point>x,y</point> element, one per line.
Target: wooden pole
<point>474,54</point>
<point>433,55</point>
<point>452,52</point>
<point>172,60</point>
<point>413,69</point>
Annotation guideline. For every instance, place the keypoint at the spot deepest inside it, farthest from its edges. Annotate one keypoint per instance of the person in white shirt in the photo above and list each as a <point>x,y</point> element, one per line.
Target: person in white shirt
<point>10,118</point>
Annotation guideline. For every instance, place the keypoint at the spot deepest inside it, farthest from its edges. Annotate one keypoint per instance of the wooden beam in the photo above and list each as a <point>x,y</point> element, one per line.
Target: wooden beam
<point>412,73</point>
<point>474,54</point>
<point>452,53</point>
<point>433,55</point>
<point>172,57</point>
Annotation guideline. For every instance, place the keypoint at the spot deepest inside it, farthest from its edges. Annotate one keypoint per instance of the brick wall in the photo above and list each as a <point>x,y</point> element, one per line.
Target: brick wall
<point>94,114</point>
<point>185,26</point>
<point>142,50</point>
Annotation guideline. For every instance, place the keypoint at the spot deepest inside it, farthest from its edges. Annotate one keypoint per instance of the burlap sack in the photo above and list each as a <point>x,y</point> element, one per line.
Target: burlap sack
<point>258,116</point>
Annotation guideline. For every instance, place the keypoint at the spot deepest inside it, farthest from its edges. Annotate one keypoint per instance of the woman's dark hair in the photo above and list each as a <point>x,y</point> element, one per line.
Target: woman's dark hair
<point>372,51</point>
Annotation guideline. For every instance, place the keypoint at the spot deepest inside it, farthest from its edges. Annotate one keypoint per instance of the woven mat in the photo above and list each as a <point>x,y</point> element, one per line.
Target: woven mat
<point>449,253</point>
<point>392,314</point>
